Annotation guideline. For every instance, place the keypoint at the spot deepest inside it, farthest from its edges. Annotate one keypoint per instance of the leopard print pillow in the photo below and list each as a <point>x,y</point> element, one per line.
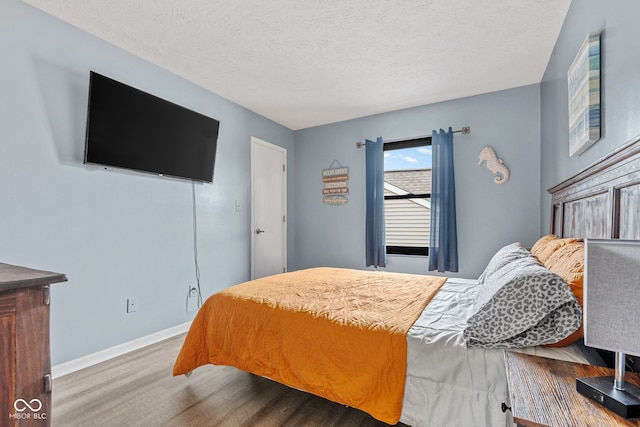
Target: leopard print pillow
<point>524,307</point>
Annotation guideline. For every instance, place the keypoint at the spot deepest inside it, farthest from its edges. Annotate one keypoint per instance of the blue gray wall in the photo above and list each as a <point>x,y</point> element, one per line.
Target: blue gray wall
<point>121,234</point>
<point>115,234</point>
<point>620,89</point>
<point>489,215</point>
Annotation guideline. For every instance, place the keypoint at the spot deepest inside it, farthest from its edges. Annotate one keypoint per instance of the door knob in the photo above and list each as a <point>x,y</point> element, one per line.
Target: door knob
<point>258,231</point>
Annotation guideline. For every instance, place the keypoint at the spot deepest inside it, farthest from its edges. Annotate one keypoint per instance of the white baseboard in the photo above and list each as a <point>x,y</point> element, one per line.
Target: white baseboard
<point>118,350</point>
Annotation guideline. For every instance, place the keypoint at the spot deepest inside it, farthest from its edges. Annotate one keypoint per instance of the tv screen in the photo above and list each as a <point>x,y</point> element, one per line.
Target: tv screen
<point>128,128</point>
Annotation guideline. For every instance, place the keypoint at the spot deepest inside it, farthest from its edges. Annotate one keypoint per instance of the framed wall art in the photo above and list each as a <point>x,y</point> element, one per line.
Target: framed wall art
<point>583,81</point>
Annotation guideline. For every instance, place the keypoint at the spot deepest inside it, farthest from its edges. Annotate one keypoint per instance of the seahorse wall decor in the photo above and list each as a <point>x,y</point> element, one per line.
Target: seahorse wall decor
<point>494,164</point>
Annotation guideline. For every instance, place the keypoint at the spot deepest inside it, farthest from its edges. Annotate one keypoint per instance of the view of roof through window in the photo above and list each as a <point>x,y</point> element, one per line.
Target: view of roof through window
<point>407,219</point>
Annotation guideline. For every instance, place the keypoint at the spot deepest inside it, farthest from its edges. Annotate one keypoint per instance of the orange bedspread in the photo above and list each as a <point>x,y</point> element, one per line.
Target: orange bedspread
<point>336,333</point>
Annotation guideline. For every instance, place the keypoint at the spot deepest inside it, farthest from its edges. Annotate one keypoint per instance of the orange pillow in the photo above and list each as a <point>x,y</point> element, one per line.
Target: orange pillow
<point>537,246</point>
<point>547,245</point>
<point>568,263</point>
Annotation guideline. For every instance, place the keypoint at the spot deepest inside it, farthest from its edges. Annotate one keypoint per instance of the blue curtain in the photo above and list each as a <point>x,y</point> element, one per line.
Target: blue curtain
<point>443,241</point>
<point>375,242</point>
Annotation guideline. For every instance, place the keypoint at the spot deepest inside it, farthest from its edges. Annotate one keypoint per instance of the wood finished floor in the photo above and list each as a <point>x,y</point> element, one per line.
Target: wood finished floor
<point>137,389</point>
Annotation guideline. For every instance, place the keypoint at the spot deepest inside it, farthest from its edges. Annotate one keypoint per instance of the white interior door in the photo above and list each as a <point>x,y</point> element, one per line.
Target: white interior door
<point>268,209</point>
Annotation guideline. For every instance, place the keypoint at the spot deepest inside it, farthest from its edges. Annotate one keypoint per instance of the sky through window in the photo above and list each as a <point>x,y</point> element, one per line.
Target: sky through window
<point>408,158</point>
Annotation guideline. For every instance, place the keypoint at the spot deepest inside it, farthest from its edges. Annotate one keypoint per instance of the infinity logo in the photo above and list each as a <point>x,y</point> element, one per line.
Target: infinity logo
<point>26,405</point>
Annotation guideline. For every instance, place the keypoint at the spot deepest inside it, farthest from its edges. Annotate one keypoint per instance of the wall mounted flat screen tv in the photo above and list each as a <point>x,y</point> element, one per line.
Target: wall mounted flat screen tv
<point>131,129</point>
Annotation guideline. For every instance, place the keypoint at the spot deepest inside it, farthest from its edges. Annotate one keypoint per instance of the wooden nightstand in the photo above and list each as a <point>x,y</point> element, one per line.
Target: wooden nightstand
<point>543,393</point>
<point>25,362</point>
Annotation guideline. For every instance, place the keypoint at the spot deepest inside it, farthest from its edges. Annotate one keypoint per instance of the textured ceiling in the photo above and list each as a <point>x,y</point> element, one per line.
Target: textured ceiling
<point>305,63</point>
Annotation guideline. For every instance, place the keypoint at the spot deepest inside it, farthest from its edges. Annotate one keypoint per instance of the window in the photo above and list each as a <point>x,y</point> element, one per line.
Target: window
<point>407,195</point>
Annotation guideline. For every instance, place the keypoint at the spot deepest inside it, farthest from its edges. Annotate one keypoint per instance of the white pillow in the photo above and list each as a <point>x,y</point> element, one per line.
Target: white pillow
<point>504,255</point>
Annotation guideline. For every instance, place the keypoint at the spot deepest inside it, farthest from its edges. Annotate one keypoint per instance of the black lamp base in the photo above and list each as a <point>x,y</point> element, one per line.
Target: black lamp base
<point>601,390</point>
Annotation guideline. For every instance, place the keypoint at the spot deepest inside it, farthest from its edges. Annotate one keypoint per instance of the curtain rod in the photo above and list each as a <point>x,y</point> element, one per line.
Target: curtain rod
<point>465,130</point>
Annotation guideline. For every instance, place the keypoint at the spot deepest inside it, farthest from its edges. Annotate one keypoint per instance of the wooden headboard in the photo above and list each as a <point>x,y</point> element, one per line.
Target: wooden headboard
<point>603,200</point>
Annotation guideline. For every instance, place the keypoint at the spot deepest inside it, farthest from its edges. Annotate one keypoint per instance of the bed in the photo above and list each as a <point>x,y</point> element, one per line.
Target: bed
<point>434,355</point>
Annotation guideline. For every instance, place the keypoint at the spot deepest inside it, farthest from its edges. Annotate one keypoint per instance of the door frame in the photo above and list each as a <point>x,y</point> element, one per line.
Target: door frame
<point>256,141</point>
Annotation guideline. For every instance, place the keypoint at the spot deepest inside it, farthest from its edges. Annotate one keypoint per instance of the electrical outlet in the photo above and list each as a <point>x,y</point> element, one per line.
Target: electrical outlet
<point>192,299</point>
<point>132,305</point>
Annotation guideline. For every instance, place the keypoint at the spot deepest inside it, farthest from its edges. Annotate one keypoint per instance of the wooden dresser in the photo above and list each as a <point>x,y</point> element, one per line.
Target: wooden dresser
<point>25,360</point>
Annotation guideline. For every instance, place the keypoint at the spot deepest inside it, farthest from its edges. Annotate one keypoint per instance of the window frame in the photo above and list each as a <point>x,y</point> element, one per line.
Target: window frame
<point>400,145</point>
